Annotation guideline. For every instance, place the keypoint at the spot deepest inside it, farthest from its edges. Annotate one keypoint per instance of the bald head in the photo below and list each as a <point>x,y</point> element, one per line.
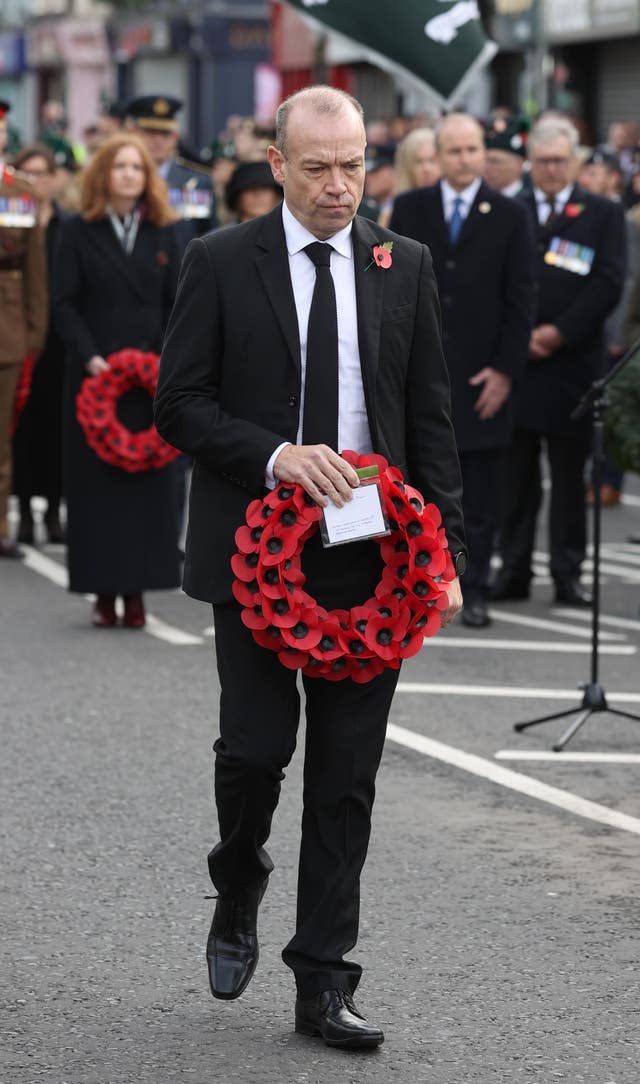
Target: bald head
<point>321,101</point>
<point>461,153</point>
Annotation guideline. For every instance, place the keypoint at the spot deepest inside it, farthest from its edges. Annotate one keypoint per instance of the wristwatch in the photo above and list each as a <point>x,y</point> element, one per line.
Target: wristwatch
<point>460,562</point>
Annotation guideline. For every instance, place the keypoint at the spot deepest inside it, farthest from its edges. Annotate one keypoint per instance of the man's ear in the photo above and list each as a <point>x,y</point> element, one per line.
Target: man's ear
<point>276,161</point>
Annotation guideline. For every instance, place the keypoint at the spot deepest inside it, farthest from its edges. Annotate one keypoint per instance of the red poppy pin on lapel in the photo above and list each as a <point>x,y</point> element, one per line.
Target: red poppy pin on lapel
<point>572,210</point>
<point>382,255</point>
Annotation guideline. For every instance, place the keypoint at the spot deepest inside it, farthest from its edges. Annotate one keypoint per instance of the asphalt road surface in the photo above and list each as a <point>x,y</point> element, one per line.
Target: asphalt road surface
<point>500,929</point>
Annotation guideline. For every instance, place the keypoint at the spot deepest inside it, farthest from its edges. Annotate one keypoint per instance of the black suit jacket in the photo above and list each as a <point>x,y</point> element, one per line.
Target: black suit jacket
<point>577,305</point>
<point>229,387</point>
<point>486,287</point>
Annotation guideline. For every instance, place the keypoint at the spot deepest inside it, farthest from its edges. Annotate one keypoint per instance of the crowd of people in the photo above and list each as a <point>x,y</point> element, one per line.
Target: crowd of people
<point>91,263</point>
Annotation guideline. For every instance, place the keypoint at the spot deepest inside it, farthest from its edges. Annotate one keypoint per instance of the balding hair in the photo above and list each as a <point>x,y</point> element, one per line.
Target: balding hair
<point>323,100</point>
<point>446,121</point>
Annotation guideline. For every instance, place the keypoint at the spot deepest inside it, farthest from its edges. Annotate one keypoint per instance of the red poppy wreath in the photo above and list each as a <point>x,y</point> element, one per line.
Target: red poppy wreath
<point>335,644</point>
<point>96,410</point>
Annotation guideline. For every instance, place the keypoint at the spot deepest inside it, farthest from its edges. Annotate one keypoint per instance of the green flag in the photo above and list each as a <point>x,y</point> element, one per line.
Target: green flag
<point>437,44</point>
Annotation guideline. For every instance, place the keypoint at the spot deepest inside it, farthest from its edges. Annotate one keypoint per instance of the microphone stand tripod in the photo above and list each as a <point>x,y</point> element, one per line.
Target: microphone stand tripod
<point>594,699</point>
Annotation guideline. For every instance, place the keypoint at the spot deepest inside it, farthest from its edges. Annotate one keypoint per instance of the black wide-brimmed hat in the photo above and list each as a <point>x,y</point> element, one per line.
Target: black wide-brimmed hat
<point>249,175</point>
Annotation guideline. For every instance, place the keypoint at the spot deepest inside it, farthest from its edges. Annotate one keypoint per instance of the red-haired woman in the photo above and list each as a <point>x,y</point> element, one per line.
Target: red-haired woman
<point>117,267</point>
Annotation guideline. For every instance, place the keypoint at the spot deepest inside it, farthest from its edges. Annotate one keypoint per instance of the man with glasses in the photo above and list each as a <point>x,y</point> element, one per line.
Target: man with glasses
<point>580,271</point>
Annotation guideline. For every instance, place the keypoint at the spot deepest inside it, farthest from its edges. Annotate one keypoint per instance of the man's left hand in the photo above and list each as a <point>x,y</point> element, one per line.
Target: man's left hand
<point>455,603</point>
<point>545,340</point>
<point>496,390</point>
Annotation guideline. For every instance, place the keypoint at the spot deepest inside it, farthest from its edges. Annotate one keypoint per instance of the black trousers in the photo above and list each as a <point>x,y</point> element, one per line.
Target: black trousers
<point>483,486</point>
<point>345,730</point>
<point>567,513</point>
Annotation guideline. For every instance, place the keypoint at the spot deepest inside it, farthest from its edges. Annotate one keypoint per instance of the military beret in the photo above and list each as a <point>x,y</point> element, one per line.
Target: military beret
<point>510,135</point>
<point>603,158</point>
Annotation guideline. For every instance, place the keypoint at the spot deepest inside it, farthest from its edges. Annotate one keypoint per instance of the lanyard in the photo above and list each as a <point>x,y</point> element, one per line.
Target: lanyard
<point>125,229</point>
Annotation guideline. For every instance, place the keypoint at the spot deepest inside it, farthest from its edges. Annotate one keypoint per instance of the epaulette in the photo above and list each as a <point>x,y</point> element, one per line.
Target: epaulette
<point>197,167</point>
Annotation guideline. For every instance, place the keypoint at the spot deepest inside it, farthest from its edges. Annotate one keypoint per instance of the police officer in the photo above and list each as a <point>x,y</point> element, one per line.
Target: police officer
<point>190,186</point>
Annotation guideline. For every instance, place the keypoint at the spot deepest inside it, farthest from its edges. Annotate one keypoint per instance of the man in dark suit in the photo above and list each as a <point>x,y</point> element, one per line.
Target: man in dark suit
<point>245,391</point>
<point>190,185</point>
<point>580,272</point>
<point>482,251</point>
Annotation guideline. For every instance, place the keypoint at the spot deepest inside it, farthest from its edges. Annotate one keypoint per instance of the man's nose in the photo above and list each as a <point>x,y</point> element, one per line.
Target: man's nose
<point>336,180</point>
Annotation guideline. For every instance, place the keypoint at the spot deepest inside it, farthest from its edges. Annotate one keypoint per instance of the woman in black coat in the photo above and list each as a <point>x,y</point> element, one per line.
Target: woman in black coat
<point>117,268</point>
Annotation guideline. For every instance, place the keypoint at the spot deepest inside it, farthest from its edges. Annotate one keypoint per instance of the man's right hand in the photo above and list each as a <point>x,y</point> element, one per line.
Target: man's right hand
<point>319,470</point>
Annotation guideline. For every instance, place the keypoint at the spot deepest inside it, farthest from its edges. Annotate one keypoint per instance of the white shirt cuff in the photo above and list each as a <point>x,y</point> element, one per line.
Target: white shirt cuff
<point>269,476</point>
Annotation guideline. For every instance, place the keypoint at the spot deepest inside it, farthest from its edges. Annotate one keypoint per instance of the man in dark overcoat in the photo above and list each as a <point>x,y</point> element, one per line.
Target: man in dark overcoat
<point>238,367</point>
<point>482,250</point>
<point>580,269</point>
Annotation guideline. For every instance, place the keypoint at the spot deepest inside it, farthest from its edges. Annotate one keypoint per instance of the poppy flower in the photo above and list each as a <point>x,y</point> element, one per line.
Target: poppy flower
<point>253,618</point>
<point>306,632</point>
<point>270,637</point>
<point>292,659</point>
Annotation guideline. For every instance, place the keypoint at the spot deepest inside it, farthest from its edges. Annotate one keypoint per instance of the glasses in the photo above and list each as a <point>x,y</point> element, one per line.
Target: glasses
<point>36,172</point>
<point>550,162</point>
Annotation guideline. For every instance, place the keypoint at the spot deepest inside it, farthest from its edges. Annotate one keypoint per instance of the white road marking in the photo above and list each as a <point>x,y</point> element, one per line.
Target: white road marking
<point>629,554</point>
<point>578,758</point>
<point>45,566</point>
<point>57,573</point>
<point>169,633</point>
<point>619,570</point>
<point>517,692</point>
<point>550,626</point>
<point>615,622</point>
<point>505,777</point>
<point>559,646</point>
<point>630,499</point>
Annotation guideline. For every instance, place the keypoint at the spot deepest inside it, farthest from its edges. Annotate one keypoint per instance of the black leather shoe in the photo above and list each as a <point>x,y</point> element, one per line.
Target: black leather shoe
<point>474,615</point>
<point>571,592</point>
<point>333,1015</point>
<point>232,945</point>
<point>505,587</point>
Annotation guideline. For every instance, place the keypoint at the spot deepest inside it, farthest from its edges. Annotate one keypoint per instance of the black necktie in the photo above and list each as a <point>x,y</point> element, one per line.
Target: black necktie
<point>320,417</point>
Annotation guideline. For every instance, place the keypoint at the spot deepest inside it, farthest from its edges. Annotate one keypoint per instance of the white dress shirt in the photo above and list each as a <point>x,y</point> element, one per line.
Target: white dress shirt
<point>353,424</point>
<point>467,196</point>
<point>559,201</point>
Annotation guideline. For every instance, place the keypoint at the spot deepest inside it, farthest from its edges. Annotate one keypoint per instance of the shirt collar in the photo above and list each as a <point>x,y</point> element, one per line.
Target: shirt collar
<point>297,236</point>
<point>559,199</point>
<point>467,195</point>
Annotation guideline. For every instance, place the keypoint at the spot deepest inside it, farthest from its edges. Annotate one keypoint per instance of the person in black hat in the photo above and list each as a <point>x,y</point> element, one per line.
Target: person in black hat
<point>252,191</point>
<point>601,174</point>
<point>190,186</point>
<point>380,177</point>
<point>506,152</point>
<point>110,120</point>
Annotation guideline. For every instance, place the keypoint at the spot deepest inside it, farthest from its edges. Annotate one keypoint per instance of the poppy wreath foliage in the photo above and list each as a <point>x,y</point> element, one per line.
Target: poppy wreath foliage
<point>96,410</point>
<point>335,644</point>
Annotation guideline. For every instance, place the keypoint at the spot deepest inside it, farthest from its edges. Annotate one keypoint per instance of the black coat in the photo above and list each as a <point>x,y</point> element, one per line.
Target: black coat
<point>122,527</point>
<point>229,387</point>
<point>37,444</point>
<point>486,284</point>
<point>577,305</point>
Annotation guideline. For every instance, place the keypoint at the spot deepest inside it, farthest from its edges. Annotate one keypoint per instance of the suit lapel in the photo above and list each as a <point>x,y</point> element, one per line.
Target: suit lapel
<point>273,266</point>
<point>104,239</point>
<point>475,217</point>
<point>369,295</point>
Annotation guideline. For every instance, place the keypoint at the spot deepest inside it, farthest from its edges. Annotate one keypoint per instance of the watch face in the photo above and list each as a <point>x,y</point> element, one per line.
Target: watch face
<point>460,562</point>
